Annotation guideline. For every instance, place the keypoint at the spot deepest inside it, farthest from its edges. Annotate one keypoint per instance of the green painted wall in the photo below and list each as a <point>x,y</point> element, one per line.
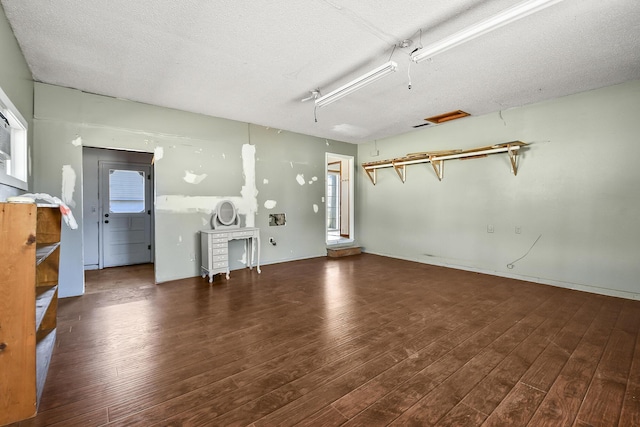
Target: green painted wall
<point>577,189</point>
<point>219,151</point>
<point>16,81</point>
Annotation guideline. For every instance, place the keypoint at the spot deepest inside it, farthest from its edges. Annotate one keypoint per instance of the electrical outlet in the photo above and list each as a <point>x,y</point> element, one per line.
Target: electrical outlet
<point>490,228</point>
<point>518,229</point>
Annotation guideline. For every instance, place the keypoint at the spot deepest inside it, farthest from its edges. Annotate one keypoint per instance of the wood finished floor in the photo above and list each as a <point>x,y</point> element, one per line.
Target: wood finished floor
<point>109,279</point>
<point>356,341</point>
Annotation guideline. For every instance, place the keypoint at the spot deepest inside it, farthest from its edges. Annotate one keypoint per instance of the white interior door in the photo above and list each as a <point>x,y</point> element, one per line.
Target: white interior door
<point>125,227</point>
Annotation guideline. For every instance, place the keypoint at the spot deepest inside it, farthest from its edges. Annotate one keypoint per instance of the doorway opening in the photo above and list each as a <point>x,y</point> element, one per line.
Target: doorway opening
<point>118,215</point>
<point>339,199</point>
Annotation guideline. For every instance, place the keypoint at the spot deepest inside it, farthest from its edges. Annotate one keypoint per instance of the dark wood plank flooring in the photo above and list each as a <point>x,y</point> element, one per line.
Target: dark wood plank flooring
<point>356,341</point>
<point>108,279</point>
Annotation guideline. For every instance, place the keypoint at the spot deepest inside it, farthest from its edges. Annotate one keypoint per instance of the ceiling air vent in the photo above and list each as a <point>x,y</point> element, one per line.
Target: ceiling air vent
<point>453,115</point>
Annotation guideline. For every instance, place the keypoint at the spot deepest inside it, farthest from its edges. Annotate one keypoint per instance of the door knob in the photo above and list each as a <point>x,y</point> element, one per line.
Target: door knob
<point>106,215</point>
<point>106,221</point>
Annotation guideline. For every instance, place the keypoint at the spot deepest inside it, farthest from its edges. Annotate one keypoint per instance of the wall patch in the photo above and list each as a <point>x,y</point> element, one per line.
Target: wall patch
<point>68,185</point>
<point>247,203</point>
<point>192,178</point>
<point>158,153</point>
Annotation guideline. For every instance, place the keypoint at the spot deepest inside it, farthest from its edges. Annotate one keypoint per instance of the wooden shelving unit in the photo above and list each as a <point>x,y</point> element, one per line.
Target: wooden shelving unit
<point>29,256</point>
<point>437,159</point>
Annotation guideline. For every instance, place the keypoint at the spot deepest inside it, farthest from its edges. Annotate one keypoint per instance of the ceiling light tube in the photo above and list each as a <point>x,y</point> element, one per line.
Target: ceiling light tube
<point>356,84</point>
<point>503,18</point>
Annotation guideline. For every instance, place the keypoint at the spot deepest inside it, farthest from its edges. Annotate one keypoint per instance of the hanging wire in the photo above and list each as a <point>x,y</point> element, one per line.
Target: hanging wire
<point>410,55</point>
<point>503,120</point>
<point>392,51</point>
<point>511,264</point>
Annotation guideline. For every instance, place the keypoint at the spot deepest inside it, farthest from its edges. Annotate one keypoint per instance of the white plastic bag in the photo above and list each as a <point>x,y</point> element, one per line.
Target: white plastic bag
<point>67,215</point>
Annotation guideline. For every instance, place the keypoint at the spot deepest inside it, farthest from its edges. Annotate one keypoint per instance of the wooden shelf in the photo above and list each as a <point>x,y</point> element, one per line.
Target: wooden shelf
<point>437,159</point>
<point>47,263</point>
<point>44,350</point>
<point>44,299</point>
<point>43,251</point>
<point>30,237</point>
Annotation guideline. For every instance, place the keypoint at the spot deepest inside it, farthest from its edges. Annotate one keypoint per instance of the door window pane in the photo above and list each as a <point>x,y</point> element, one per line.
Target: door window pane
<point>126,191</point>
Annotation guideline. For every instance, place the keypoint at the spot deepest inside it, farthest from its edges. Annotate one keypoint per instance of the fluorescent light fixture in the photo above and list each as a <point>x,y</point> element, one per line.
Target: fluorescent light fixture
<point>356,84</point>
<point>503,18</point>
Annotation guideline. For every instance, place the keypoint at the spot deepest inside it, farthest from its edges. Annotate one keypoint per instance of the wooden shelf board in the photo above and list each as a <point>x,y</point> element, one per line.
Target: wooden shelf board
<point>437,158</point>
<point>43,251</point>
<point>44,350</point>
<point>43,301</point>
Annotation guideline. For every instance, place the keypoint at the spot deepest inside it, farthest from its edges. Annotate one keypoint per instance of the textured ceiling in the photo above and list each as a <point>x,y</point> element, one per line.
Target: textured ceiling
<point>254,61</point>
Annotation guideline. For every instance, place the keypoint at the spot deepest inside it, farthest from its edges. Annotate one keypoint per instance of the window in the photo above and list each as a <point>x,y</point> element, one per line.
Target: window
<point>126,191</point>
<point>13,145</point>
<point>333,201</point>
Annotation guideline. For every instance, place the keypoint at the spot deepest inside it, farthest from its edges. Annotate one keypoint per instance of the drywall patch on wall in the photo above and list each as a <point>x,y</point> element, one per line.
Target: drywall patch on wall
<point>265,181</point>
<point>249,191</point>
<point>246,203</point>
<point>315,208</point>
<point>192,204</point>
<point>300,179</point>
<point>270,204</point>
<point>158,153</point>
<point>314,178</point>
<point>192,178</point>
<point>68,185</point>
<point>77,142</point>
